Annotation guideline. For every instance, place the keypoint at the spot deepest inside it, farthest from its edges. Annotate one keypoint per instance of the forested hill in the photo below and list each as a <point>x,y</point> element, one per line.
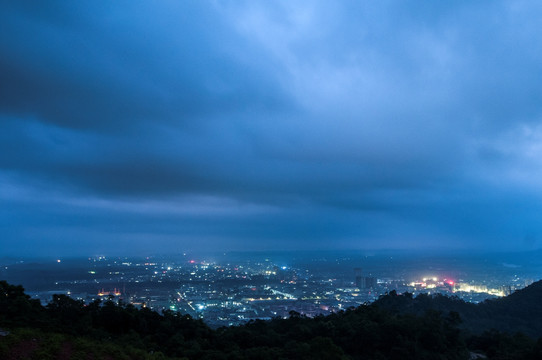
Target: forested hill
<point>69,329</point>
<point>521,311</point>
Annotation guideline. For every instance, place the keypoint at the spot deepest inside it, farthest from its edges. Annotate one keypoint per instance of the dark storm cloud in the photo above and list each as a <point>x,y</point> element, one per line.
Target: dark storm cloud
<point>96,66</point>
<point>269,124</point>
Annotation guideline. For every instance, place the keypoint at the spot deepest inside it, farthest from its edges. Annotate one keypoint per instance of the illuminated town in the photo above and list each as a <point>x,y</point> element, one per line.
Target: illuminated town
<point>232,292</point>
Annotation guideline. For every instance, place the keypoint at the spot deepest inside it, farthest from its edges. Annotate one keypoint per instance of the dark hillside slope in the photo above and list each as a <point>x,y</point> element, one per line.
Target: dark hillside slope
<point>519,312</point>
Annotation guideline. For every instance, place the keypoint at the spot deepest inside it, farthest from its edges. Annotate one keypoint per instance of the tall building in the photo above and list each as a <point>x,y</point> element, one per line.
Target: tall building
<point>358,278</point>
<point>370,283</point>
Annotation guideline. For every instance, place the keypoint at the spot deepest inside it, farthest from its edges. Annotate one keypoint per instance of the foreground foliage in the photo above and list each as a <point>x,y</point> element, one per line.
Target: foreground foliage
<point>69,329</point>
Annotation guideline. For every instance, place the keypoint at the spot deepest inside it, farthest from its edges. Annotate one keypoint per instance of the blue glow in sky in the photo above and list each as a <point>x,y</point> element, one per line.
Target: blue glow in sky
<point>132,127</point>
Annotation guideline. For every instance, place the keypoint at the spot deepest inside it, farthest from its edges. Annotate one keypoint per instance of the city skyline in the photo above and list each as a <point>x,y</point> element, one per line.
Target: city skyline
<point>231,289</point>
<point>139,128</point>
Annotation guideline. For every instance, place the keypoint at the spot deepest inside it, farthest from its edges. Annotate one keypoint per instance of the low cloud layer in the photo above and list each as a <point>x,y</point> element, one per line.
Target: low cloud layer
<point>133,127</point>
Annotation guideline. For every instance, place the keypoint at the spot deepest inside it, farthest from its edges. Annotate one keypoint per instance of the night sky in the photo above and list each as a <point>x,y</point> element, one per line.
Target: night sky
<point>136,127</point>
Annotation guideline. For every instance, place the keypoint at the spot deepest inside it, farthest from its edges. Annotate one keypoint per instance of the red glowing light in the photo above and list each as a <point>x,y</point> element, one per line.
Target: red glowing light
<point>451,282</point>
<point>192,261</point>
